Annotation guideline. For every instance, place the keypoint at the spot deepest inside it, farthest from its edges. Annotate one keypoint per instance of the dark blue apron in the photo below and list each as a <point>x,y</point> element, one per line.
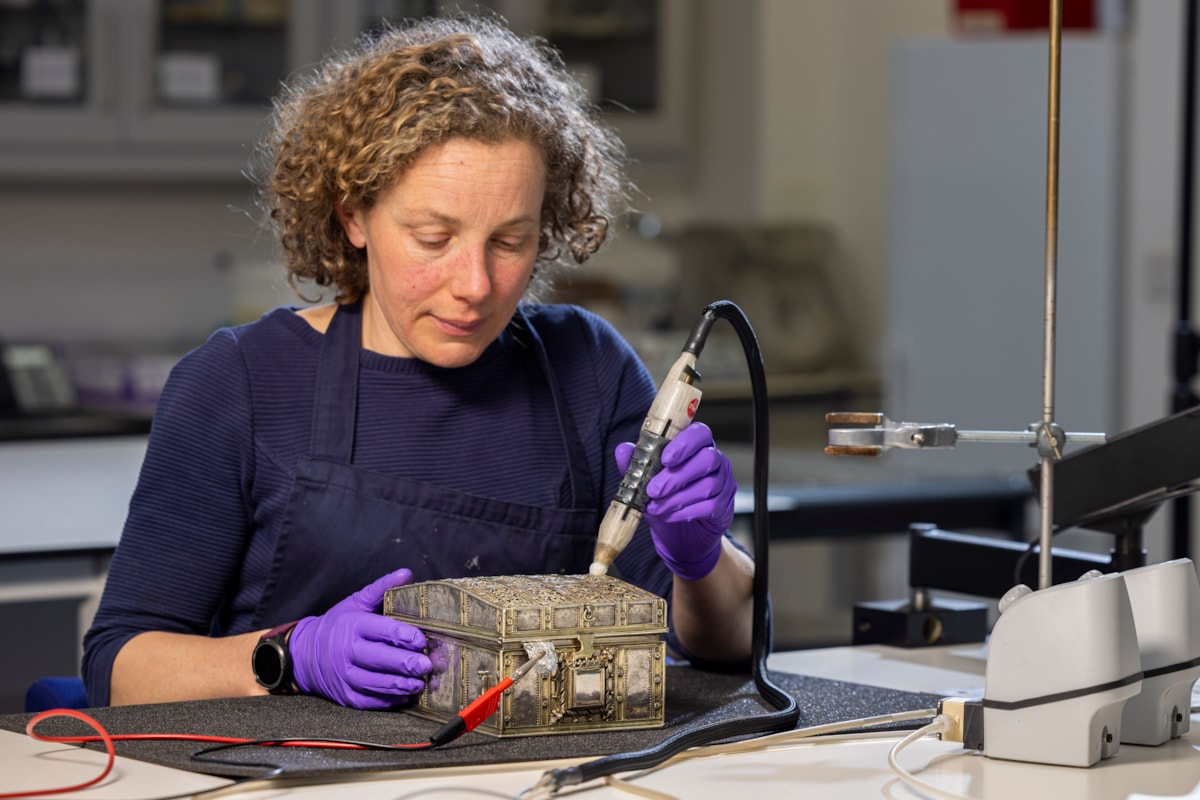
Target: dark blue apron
<point>344,527</point>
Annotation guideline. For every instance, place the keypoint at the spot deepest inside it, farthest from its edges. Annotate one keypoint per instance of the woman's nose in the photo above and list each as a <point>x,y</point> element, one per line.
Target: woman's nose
<point>472,275</point>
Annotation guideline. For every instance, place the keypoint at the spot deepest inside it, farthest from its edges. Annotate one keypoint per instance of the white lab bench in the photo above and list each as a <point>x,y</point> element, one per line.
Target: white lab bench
<point>64,503</point>
<point>844,770</point>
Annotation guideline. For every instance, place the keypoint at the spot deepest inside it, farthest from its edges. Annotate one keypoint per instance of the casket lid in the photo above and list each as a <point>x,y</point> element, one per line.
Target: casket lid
<point>522,606</point>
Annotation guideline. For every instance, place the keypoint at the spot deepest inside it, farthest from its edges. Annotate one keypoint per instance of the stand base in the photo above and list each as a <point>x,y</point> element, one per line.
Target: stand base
<point>894,622</point>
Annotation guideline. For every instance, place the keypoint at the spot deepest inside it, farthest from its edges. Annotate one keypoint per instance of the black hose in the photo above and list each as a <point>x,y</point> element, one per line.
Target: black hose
<point>787,713</point>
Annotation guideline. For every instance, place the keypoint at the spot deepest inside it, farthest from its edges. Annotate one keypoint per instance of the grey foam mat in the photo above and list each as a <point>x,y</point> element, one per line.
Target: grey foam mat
<point>694,697</point>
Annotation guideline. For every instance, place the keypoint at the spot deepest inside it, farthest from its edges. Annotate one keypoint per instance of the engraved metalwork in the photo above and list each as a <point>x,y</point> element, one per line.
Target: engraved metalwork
<point>610,665</point>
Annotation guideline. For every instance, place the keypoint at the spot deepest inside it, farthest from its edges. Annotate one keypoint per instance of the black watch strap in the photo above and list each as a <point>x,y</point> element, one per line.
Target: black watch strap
<point>272,661</point>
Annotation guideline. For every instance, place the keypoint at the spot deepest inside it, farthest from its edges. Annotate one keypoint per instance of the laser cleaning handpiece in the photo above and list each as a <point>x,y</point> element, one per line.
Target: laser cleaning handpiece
<point>673,409</point>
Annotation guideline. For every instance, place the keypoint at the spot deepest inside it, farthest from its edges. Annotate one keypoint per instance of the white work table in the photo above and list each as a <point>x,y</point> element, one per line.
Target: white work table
<point>843,770</point>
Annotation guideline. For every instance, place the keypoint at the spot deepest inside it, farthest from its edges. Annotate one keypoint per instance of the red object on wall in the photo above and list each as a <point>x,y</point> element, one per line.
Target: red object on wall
<point>1016,15</point>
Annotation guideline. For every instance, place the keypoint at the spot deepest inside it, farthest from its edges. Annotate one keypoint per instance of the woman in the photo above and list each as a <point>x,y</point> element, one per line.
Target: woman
<point>432,422</point>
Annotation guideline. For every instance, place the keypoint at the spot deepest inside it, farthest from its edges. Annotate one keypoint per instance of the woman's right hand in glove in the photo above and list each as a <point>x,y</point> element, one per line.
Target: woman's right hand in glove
<point>354,655</point>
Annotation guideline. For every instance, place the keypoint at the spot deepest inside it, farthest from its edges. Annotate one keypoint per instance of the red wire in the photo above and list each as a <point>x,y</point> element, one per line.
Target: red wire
<point>484,706</point>
<point>109,739</point>
<point>185,737</point>
<point>471,716</point>
<point>104,737</point>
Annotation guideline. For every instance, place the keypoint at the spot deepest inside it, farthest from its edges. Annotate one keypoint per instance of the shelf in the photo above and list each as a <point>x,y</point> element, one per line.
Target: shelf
<point>77,425</point>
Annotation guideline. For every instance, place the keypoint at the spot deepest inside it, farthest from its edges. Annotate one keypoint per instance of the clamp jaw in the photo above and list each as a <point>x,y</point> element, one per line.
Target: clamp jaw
<point>884,434</point>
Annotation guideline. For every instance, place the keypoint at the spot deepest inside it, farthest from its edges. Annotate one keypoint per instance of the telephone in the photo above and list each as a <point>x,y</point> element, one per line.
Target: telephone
<point>33,380</point>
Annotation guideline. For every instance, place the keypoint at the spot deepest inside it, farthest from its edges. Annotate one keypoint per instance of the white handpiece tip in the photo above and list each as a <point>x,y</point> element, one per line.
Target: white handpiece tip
<point>597,569</point>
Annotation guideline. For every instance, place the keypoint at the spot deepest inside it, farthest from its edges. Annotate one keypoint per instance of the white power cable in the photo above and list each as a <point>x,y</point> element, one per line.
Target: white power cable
<point>940,724</point>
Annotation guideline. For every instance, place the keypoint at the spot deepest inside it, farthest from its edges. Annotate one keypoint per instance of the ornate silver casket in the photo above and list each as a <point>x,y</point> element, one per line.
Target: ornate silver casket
<point>607,639</point>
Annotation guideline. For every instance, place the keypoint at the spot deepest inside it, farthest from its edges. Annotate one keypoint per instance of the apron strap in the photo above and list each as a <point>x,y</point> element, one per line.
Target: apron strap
<point>335,403</point>
<point>581,484</point>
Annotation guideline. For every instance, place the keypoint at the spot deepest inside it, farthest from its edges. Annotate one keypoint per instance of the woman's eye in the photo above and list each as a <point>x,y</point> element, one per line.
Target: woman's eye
<point>432,242</point>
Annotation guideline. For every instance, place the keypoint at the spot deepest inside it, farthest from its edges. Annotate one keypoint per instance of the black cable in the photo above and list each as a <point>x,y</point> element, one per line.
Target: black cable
<point>787,713</point>
<point>319,742</point>
<point>275,770</point>
<point>1032,546</point>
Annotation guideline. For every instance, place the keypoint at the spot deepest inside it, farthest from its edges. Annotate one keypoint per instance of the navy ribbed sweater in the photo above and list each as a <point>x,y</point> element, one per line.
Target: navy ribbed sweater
<point>235,417</point>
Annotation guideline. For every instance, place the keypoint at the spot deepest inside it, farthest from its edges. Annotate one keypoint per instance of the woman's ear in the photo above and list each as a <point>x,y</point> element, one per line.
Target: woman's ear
<point>350,219</point>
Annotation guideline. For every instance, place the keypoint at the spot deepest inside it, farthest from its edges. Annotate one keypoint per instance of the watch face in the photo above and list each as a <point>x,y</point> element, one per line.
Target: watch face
<point>268,663</point>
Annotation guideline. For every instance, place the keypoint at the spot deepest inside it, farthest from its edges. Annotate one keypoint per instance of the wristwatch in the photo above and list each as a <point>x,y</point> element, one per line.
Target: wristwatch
<point>272,661</point>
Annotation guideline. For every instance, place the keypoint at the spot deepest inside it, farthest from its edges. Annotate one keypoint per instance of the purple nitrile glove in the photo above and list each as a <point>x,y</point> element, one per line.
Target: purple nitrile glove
<point>690,505</point>
<point>354,655</point>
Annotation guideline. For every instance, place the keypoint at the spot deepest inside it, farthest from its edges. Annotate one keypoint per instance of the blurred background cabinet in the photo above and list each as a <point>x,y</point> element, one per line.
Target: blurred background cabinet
<point>130,89</point>
<point>180,89</point>
<point>632,55</point>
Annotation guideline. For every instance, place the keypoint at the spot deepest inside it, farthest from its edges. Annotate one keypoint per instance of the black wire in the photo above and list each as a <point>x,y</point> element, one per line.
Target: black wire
<point>277,770</point>
<point>273,770</point>
<point>351,744</point>
<point>1019,566</point>
<point>787,713</point>
<point>1033,546</point>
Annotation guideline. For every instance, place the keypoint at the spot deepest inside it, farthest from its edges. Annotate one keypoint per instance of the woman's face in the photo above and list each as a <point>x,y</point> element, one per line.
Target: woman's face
<point>450,250</point>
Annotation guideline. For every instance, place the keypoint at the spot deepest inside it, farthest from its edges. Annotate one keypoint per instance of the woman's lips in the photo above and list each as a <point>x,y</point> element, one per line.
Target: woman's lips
<point>460,327</point>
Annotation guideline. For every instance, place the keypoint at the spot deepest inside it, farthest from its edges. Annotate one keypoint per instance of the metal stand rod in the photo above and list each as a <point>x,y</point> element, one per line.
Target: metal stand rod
<point>1027,437</point>
<point>1046,487</point>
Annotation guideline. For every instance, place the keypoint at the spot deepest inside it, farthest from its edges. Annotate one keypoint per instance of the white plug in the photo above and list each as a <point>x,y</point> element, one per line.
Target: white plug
<point>1062,662</point>
<point>1166,611</point>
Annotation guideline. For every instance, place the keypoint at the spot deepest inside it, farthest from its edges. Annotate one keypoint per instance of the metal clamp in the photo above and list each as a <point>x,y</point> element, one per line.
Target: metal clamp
<point>884,434</point>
